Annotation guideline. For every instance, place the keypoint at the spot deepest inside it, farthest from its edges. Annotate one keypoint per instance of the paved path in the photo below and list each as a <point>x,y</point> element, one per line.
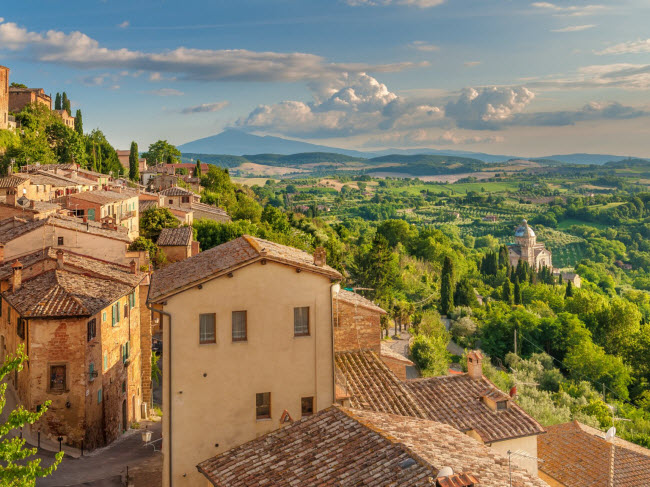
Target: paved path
<point>107,466</point>
<point>400,346</point>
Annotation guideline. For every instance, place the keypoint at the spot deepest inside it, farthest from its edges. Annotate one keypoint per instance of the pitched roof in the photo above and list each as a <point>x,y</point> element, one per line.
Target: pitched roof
<point>59,293</point>
<point>339,446</point>
<point>371,385</point>
<point>358,300</point>
<point>170,237</point>
<point>226,257</point>
<point>12,181</point>
<point>177,191</point>
<point>578,456</point>
<point>83,264</point>
<point>456,400</point>
<point>101,197</point>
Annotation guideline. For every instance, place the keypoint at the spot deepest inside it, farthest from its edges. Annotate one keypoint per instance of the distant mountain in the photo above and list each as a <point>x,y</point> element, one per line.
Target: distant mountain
<point>236,142</point>
<point>598,159</point>
<point>474,155</point>
<point>629,163</point>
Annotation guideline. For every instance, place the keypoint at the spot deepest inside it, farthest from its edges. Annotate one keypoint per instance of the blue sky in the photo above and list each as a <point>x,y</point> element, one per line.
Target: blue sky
<point>500,76</point>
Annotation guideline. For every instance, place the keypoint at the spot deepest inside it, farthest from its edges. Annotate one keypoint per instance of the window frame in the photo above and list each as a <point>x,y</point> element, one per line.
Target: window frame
<point>214,329</point>
<point>263,416</point>
<point>295,310</point>
<point>91,329</point>
<point>245,337</point>
<point>65,378</point>
<point>60,241</point>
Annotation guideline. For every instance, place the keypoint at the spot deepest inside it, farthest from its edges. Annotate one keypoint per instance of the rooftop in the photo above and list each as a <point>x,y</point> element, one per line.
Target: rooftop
<point>456,400</point>
<point>226,257</point>
<point>358,300</point>
<point>339,446</point>
<point>101,197</point>
<point>12,181</point>
<point>371,385</point>
<point>177,191</point>
<point>170,237</point>
<point>578,456</point>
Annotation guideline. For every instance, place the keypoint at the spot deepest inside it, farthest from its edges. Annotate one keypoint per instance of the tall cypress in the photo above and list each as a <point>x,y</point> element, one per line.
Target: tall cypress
<point>57,102</point>
<point>518,294</point>
<point>447,287</point>
<point>134,170</point>
<point>569,289</point>
<point>65,103</point>
<point>506,292</point>
<point>197,169</point>
<point>78,123</point>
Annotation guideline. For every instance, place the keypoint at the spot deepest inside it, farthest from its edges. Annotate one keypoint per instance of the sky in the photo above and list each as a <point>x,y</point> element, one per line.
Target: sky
<point>514,77</point>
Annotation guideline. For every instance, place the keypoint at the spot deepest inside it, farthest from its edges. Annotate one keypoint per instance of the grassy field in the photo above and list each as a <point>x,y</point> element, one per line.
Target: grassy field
<point>482,187</point>
<point>564,224</point>
<point>251,181</point>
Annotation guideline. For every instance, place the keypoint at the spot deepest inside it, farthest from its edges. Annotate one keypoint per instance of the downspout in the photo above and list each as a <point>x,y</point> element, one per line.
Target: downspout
<point>169,411</point>
<point>334,289</point>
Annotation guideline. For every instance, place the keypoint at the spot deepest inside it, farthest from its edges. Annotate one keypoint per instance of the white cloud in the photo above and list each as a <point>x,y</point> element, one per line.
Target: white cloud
<point>166,92</point>
<point>632,47</point>
<point>80,51</point>
<point>575,28</point>
<point>571,11</point>
<point>124,24</point>
<point>206,108</point>
<point>423,137</point>
<point>424,46</point>
<point>485,108</point>
<point>471,64</point>
<point>619,75</point>
<point>412,3</point>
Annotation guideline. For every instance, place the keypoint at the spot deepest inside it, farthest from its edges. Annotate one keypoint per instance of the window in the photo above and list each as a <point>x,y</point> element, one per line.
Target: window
<point>99,396</point>
<point>91,372</point>
<point>171,201</point>
<point>60,241</point>
<point>185,199</point>
<point>105,361</point>
<point>20,328</point>
<point>104,316</point>
<point>92,329</point>
<point>57,378</point>
<point>132,299</point>
<point>263,405</point>
<point>116,313</point>
<point>307,406</point>
<point>207,328</point>
<point>126,310</point>
<point>126,352</point>
<point>239,326</point>
<point>301,321</point>
<point>502,405</point>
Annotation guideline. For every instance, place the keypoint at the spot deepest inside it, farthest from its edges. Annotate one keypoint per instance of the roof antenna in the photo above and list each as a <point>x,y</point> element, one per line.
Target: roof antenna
<point>611,433</point>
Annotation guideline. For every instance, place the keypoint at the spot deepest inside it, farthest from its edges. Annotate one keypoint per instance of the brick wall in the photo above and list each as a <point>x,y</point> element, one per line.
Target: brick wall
<point>397,366</point>
<point>356,328</point>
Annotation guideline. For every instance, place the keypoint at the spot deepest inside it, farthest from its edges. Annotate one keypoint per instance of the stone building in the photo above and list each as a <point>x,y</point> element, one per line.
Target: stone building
<point>527,248</point>
<point>66,118</point>
<point>19,98</point>
<point>248,327</point>
<point>79,321</point>
<point>178,243</point>
<point>4,98</point>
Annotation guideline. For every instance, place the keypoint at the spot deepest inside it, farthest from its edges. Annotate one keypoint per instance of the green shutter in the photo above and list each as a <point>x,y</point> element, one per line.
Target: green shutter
<point>113,315</point>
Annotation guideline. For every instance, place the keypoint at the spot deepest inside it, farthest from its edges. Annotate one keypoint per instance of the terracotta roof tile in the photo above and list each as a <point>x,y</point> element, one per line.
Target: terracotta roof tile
<point>225,257</point>
<point>578,456</point>
<point>175,236</point>
<point>177,191</point>
<point>358,300</point>
<point>456,400</point>
<point>371,385</point>
<point>338,446</point>
<point>101,197</point>
<point>12,181</point>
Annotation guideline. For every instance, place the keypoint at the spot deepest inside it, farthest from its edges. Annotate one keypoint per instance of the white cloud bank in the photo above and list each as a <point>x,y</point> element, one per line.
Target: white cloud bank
<point>570,11</point>
<point>410,3</point>
<point>206,108</point>
<point>632,47</point>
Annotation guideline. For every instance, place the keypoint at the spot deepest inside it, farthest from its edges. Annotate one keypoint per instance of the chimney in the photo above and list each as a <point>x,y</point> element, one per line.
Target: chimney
<point>59,259</point>
<point>475,364</point>
<point>31,204</point>
<point>17,277</point>
<point>320,256</point>
<point>134,267</point>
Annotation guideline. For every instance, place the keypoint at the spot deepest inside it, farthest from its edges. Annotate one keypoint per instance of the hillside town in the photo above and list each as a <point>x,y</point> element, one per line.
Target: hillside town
<point>174,328</point>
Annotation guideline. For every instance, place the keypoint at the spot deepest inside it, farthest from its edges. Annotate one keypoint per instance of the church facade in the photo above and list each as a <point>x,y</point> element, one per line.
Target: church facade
<point>527,249</point>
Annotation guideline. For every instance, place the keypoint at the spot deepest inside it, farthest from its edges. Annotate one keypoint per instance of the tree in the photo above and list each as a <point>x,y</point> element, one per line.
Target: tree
<point>465,295</point>
<point>78,123</point>
<point>57,102</point>
<point>518,295</point>
<point>15,469</point>
<point>197,169</point>
<point>447,287</point>
<point>377,267</point>
<point>569,290</point>
<point>506,291</point>
<point>162,151</point>
<point>18,85</point>
<point>134,170</point>
<point>65,103</point>
<point>153,220</point>
<point>431,355</point>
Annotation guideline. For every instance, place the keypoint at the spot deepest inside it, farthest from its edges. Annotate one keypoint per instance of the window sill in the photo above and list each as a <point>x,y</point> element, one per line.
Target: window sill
<point>207,343</point>
<point>302,335</point>
<point>262,419</point>
<point>243,340</point>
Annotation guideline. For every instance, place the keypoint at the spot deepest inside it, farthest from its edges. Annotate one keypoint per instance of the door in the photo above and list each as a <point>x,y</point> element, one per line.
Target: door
<point>124,416</point>
<point>91,214</point>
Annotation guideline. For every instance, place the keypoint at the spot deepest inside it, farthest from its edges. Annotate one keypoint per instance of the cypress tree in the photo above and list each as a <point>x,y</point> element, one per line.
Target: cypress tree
<point>65,103</point>
<point>518,294</point>
<point>78,123</point>
<point>506,292</point>
<point>57,102</point>
<point>503,256</point>
<point>134,169</point>
<point>447,287</point>
<point>95,168</point>
<point>197,169</point>
<point>569,290</point>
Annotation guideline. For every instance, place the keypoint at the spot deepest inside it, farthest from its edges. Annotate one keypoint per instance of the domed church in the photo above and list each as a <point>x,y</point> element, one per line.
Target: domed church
<point>527,249</point>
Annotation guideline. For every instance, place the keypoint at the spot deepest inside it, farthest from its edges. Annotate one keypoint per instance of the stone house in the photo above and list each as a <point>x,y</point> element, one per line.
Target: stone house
<point>160,182</point>
<point>79,321</point>
<point>176,196</point>
<point>178,243</point>
<point>4,98</point>
<point>19,98</point>
<point>247,334</point>
<point>119,206</point>
<point>123,156</point>
<point>32,210</point>
<point>65,117</point>
<point>528,249</point>
<point>569,276</point>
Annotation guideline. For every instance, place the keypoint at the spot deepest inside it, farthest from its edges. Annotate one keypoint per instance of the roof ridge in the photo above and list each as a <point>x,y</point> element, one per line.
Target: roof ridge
<point>57,273</point>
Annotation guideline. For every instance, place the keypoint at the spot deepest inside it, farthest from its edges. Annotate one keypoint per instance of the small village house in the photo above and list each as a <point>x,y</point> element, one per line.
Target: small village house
<point>121,207</point>
<point>177,243</point>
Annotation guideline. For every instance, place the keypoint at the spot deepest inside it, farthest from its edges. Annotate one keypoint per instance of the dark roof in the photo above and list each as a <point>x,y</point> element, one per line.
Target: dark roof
<point>456,400</point>
<point>578,456</point>
<point>60,293</point>
<point>170,237</point>
<point>12,181</point>
<point>177,191</point>
<point>358,300</point>
<point>226,257</point>
<point>371,385</point>
<point>144,205</point>
<point>339,446</point>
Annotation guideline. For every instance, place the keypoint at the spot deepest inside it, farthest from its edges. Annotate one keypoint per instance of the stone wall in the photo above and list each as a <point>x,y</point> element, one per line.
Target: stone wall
<point>397,366</point>
<point>356,327</point>
<point>4,97</point>
<point>145,347</point>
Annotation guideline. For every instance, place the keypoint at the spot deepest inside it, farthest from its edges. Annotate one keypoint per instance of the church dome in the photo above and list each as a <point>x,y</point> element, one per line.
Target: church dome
<point>524,230</point>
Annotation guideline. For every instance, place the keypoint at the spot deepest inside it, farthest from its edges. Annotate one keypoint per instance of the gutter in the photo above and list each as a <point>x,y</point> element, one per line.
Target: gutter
<point>169,316</point>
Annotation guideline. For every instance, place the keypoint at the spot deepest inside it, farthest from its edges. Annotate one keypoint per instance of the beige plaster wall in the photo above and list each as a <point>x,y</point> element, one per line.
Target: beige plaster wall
<point>527,444</point>
<point>214,385</point>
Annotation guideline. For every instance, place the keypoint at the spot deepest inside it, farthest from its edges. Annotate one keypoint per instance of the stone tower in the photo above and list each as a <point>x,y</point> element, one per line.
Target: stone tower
<point>4,97</point>
<point>526,239</point>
